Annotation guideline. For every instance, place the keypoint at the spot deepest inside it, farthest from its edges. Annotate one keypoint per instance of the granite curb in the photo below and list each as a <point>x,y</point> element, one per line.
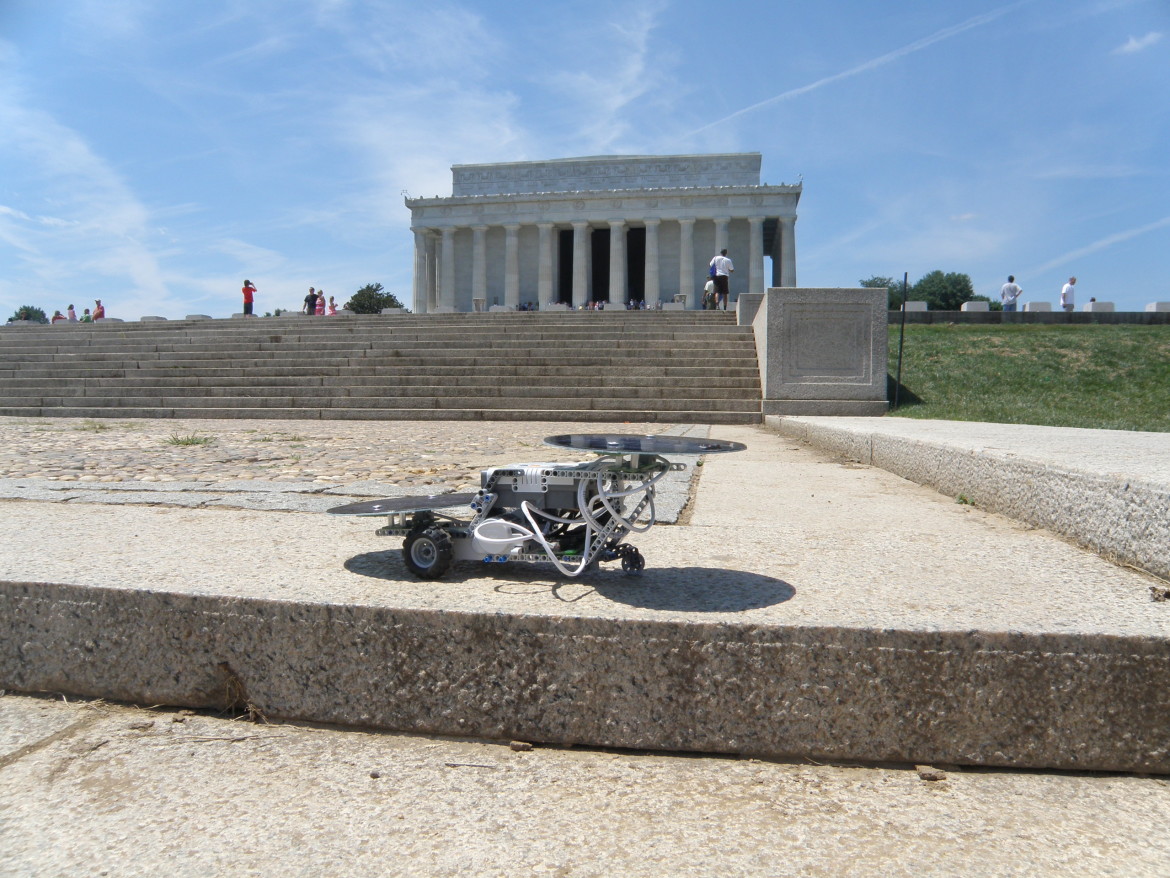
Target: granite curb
<point>1118,507</point>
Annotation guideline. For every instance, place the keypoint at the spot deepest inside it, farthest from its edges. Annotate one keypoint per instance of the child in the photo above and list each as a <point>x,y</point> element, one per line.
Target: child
<point>332,306</point>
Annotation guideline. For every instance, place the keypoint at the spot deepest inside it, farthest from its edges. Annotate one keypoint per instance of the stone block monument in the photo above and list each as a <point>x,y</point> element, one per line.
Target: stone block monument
<point>822,351</point>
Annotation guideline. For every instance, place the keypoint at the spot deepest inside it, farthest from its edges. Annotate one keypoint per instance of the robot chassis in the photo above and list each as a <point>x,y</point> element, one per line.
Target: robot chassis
<point>572,515</point>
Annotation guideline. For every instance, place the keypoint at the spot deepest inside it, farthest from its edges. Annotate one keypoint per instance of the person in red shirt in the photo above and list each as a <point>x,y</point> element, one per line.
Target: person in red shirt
<point>99,310</point>
<point>248,291</point>
<point>320,308</point>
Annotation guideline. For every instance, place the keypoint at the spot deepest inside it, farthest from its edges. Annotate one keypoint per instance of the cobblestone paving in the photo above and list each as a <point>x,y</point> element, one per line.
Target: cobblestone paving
<point>431,455</point>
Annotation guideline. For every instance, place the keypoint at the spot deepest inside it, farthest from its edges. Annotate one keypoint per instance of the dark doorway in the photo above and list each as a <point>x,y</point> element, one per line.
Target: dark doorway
<point>636,264</point>
<point>565,266</point>
<point>599,239</point>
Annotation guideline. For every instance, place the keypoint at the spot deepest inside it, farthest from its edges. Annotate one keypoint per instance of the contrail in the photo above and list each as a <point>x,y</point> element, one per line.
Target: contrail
<point>1103,244</point>
<point>880,61</point>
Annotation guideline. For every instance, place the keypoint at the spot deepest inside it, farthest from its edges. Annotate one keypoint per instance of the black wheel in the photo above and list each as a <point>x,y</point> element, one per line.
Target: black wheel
<point>428,552</point>
<point>632,561</point>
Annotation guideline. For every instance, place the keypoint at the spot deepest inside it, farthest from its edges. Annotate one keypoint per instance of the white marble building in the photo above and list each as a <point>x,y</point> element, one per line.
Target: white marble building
<point>603,228</point>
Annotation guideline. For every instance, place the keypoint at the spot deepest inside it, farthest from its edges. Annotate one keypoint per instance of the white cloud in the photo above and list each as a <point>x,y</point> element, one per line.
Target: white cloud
<point>97,223</point>
<point>1134,45</point>
<point>1103,244</point>
<point>872,64</point>
<point>618,73</point>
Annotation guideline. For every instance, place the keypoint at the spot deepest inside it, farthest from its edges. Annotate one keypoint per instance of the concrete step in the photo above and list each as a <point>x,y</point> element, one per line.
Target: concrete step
<point>810,608</point>
<point>583,402</point>
<point>558,415</point>
<point>695,389</point>
<point>467,366</point>
<point>719,380</point>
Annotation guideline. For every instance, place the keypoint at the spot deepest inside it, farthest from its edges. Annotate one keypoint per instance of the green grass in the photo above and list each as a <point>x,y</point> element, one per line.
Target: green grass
<point>193,439</point>
<point>1104,377</point>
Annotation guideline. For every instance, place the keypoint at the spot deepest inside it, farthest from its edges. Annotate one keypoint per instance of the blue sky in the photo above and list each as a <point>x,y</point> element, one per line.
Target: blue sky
<point>154,154</point>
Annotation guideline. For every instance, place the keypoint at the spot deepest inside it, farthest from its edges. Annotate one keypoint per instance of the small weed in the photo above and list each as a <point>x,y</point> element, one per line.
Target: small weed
<point>94,426</point>
<point>964,500</point>
<point>193,439</point>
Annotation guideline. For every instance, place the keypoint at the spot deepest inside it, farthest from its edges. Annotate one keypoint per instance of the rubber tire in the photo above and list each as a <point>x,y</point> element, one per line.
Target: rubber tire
<point>632,561</point>
<point>427,552</point>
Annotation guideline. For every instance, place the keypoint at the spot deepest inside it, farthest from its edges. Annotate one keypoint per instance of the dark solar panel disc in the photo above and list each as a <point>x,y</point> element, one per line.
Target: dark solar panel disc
<point>404,504</point>
<point>605,443</point>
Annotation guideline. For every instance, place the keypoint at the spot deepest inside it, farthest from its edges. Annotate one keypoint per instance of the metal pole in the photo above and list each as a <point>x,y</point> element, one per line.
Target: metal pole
<point>901,339</point>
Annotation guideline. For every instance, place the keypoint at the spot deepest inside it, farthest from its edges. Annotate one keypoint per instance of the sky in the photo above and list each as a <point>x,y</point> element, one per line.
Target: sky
<point>155,154</point>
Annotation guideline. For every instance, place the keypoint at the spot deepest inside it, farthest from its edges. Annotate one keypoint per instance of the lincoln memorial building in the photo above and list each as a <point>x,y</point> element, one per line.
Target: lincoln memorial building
<point>616,229</point>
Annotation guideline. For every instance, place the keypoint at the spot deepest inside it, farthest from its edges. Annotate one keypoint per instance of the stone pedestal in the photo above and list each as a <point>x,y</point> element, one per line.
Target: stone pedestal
<point>151,319</point>
<point>914,306</point>
<point>1038,306</point>
<point>974,306</point>
<point>1158,306</point>
<point>822,351</point>
<point>1099,307</point>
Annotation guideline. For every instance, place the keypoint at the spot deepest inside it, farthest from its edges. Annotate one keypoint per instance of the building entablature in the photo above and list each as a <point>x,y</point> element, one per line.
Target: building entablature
<point>629,205</point>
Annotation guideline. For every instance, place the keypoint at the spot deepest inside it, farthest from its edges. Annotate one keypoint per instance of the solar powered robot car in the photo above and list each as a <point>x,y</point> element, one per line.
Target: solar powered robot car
<point>572,515</point>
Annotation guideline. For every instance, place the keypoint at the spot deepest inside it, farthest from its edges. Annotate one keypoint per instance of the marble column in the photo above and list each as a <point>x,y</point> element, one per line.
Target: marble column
<point>756,254</point>
<point>653,285</point>
<point>788,251</point>
<point>721,224</point>
<point>580,263</point>
<point>686,261</point>
<point>447,271</point>
<point>432,270</point>
<point>618,287</point>
<point>419,293</point>
<point>544,279</point>
<point>512,266</point>
<point>479,265</point>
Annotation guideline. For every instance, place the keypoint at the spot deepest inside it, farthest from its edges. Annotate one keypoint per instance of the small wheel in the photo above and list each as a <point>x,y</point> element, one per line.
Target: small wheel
<point>632,561</point>
<point>428,552</point>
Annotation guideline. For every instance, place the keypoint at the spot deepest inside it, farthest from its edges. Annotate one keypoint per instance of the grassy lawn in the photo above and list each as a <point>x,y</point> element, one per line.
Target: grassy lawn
<point>1105,377</point>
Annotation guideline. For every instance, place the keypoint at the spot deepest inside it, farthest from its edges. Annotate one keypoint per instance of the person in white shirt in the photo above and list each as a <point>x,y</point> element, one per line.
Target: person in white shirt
<point>723,270</point>
<point>1009,293</point>
<point>1068,295</point>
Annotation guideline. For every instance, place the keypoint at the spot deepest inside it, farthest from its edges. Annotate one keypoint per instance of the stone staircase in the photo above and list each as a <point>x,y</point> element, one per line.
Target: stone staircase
<point>609,366</point>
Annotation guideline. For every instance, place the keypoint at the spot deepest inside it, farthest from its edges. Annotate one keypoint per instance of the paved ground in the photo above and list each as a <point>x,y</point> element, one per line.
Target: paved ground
<point>98,789</point>
<point>117,790</point>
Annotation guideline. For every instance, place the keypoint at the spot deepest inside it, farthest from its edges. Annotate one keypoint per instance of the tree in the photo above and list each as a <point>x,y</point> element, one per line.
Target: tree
<point>893,287</point>
<point>28,312</point>
<point>943,292</point>
<point>371,299</point>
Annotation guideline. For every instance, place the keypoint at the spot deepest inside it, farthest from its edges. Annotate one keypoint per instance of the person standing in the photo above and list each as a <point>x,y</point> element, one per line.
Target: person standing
<point>311,302</point>
<point>71,314</point>
<point>1068,295</point>
<point>723,269</point>
<point>332,306</point>
<point>320,307</point>
<point>1009,293</point>
<point>249,290</point>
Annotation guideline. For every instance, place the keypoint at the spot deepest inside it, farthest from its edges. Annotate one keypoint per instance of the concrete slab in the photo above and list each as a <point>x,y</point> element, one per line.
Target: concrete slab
<point>810,607</point>
<point>1107,489</point>
<point>103,788</point>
